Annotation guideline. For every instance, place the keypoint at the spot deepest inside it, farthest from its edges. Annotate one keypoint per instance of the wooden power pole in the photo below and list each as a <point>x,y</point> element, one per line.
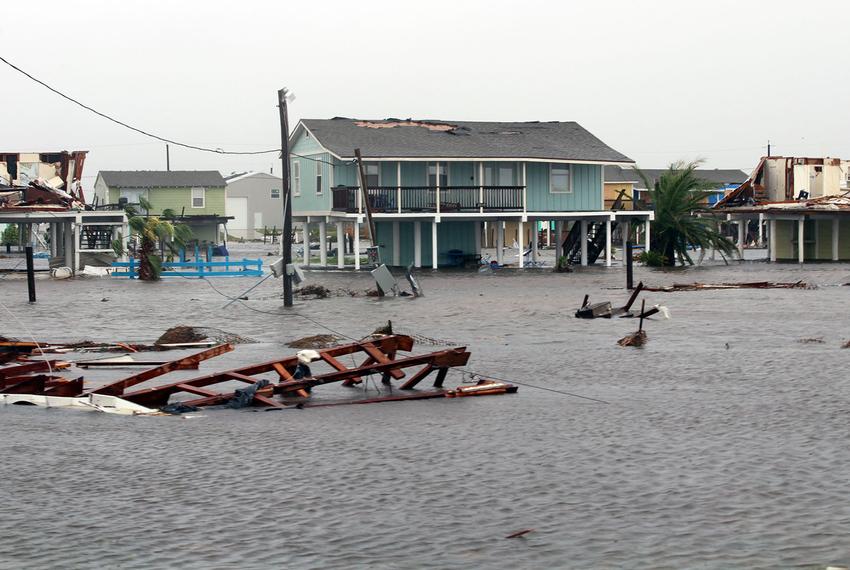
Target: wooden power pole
<point>286,235</point>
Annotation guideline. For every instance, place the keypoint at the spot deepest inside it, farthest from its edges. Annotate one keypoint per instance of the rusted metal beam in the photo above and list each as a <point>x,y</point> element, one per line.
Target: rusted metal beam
<point>117,388</point>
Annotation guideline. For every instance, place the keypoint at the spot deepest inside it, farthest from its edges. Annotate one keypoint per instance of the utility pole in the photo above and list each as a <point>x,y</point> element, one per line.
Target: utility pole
<point>286,235</point>
<point>768,148</point>
<point>366,205</point>
<point>167,158</point>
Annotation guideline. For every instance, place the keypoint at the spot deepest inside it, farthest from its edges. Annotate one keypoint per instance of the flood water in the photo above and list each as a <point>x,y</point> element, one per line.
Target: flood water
<point>723,442</point>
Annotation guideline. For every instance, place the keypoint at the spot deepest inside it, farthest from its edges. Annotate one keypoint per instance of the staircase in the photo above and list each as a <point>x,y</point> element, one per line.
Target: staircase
<point>595,238</point>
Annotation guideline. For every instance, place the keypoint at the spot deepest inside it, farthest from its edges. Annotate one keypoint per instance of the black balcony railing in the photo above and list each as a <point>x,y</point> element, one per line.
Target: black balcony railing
<point>385,199</point>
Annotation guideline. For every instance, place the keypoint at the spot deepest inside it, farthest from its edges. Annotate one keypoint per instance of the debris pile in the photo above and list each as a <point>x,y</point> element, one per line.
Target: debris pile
<point>314,291</point>
<point>25,383</point>
<point>191,335</point>
<point>707,286</point>
<point>41,181</point>
<point>315,341</point>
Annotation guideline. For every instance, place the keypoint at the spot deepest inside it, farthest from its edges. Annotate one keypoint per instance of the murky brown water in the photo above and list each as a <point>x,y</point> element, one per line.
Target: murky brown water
<point>705,457</point>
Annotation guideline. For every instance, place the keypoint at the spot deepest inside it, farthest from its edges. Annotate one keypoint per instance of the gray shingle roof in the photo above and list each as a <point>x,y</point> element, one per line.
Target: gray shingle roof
<point>161,178</point>
<point>549,140</point>
<point>718,176</point>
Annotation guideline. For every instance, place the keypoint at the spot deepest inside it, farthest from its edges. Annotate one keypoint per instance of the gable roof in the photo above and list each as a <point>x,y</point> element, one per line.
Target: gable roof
<point>251,174</point>
<point>161,178</point>
<point>394,138</point>
<point>719,176</point>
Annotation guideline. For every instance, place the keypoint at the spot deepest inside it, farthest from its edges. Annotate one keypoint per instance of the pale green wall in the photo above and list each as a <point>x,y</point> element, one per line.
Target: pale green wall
<point>179,200</point>
<point>786,240</point>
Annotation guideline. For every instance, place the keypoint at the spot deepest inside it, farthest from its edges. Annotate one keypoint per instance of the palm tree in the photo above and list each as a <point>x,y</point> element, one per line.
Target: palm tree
<point>148,231</point>
<point>675,196</point>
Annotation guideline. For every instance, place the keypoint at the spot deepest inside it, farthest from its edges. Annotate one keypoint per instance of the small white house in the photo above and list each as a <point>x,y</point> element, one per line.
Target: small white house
<point>254,201</point>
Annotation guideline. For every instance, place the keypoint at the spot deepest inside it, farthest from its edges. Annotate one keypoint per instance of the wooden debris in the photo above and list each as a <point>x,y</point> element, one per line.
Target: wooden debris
<point>315,341</point>
<point>520,533</point>
<point>707,286</point>
<point>606,310</point>
<point>634,339</point>
<point>638,338</point>
<point>815,340</point>
<point>294,379</point>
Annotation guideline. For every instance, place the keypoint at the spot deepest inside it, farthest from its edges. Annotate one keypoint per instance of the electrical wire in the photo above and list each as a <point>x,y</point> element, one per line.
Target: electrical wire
<point>29,332</point>
<point>147,133</point>
<point>562,392</point>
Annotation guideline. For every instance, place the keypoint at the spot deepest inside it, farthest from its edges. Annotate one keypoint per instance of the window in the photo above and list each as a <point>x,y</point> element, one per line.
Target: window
<point>373,174</point>
<point>318,177</point>
<point>131,194</point>
<point>432,174</point>
<point>296,177</point>
<point>499,174</point>
<point>198,196</point>
<point>560,181</point>
<point>275,193</point>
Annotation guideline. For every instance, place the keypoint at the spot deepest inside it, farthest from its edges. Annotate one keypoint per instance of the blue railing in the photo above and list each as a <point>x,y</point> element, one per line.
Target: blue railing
<point>226,268</point>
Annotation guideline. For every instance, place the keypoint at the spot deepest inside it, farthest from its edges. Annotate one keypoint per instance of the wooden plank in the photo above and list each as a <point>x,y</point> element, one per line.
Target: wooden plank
<point>241,377</point>
<point>417,378</point>
<point>196,390</point>
<point>381,358</point>
<point>265,401</point>
<point>32,366</point>
<point>447,358</point>
<point>282,371</point>
<point>158,396</point>
<point>117,388</point>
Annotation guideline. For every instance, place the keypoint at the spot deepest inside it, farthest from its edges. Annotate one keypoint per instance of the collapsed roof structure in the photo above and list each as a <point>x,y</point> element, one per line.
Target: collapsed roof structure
<point>38,181</point>
<point>812,194</point>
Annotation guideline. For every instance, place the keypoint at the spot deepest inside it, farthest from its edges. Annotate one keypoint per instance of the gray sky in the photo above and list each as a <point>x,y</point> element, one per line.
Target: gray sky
<point>659,81</point>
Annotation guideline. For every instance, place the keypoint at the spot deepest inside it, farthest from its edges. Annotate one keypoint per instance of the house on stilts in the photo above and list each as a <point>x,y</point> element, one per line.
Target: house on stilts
<point>801,205</point>
<point>437,189</point>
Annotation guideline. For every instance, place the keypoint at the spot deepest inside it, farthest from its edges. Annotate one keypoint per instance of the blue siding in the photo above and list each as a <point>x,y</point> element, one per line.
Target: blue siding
<point>389,173</point>
<point>345,173</point>
<point>309,200</point>
<point>586,194</point>
<point>413,174</point>
<point>450,235</point>
<point>462,174</point>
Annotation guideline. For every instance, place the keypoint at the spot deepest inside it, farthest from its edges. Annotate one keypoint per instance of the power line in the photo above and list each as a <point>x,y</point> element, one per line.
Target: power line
<point>144,132</point>
<point>123,124</point>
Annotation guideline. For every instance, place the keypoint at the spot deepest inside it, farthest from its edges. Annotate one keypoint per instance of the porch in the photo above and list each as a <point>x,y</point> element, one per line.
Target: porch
<point>427,199</point>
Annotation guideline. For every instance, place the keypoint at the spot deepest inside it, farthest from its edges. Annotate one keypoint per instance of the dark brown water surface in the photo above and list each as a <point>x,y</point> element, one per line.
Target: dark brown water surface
<point>705,457</point>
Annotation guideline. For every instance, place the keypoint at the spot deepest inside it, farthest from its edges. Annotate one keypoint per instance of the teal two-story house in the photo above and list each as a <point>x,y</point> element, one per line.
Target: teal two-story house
<point>437,189</point>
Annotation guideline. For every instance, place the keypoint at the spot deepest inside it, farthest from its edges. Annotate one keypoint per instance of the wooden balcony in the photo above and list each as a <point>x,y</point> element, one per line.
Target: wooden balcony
<point>413,199</point>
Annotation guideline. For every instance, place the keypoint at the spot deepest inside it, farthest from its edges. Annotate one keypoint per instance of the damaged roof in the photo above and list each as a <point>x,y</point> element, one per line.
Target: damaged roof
<point>161,178</point>
<point>395,138</point>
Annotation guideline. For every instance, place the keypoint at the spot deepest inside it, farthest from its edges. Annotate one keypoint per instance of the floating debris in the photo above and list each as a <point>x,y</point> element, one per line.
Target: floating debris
<point>815,340</point>
<point>638,338</point>
<point>316,341</point>
<point>314,291</point>
<point>520,533</point>
<point>190,335</point>
<point>21,384</point>
<point>708,286</point>
<point>634,339</point>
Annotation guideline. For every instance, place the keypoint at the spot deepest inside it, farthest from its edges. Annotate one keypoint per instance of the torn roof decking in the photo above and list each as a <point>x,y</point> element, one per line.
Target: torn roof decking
<point>409,139</point>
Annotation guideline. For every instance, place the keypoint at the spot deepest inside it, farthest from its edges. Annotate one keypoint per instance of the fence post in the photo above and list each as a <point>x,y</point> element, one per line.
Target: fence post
<point>132,268</point>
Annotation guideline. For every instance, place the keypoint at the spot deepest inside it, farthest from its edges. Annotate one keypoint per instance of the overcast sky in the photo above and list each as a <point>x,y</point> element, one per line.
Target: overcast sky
<point>658,81</point>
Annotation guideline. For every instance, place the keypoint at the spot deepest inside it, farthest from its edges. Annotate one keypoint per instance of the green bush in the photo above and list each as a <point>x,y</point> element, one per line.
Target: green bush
<point>10,235</point>
<point>652,259</point>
